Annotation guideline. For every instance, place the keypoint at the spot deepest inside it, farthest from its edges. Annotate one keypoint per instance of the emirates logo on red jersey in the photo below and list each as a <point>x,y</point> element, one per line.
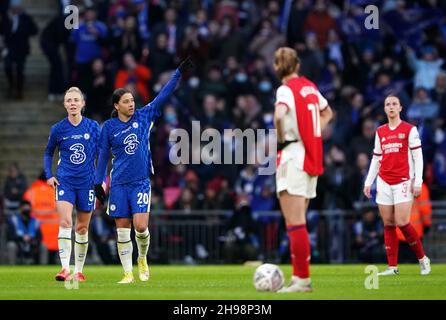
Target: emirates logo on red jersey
<point>392,147</point>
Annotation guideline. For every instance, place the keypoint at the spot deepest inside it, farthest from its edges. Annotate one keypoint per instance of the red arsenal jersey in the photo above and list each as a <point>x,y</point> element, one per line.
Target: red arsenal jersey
<point>396,164</point>
<point>302,123</point>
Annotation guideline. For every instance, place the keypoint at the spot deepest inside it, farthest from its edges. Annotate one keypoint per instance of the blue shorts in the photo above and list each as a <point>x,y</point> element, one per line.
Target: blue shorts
<point>82,199</point>
<point>128,199</point>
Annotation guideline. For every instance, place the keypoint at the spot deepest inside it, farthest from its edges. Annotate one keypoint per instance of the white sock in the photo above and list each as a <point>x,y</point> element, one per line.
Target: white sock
<point>125,248</point>
<point>301,281</point>
<point>80,251</point>
<point>143,242</point>
<point>64,241</point>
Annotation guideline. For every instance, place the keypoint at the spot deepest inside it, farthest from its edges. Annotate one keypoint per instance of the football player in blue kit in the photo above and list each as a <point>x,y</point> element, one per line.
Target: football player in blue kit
<point>76,138</point>
<point>127,135</point>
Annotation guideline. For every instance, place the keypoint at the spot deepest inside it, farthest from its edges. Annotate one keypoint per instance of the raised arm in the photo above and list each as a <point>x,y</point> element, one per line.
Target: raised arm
<point>154,107</point>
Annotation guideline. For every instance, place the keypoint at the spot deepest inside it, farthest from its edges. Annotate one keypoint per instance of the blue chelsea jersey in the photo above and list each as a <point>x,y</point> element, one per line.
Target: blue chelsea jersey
<point>78,149</point>
<point>129,141</point>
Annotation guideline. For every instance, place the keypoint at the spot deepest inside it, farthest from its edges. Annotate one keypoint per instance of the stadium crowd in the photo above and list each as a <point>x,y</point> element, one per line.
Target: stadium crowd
<point>137,44</point>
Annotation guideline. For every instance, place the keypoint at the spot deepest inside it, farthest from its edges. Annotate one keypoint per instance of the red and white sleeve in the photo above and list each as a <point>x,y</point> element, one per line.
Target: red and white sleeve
<point>417,155</point>
<point>374,164</point>
<point>323,103</point>
<point>283,96</point>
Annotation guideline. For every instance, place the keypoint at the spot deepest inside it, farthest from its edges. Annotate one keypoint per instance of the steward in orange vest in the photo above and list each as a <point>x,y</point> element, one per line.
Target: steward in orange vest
<point>43,208</point>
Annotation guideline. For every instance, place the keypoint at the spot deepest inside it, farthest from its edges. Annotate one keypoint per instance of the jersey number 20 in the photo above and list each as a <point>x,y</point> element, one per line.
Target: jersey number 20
<point>143,198</point>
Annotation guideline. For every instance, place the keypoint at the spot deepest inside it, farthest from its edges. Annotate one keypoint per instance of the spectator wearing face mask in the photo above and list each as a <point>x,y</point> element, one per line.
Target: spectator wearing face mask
<point>23,236</point>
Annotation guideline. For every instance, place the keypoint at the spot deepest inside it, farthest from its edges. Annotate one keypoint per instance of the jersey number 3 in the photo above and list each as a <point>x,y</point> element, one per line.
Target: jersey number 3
<point>78,155</point>
<point>314,108</point>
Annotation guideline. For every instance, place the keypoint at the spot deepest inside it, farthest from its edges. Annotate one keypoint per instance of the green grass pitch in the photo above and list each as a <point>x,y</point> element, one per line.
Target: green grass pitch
<point>222,282</point>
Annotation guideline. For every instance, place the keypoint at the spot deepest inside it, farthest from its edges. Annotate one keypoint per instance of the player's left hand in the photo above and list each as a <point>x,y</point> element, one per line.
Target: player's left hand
<point>416,191</point>
<point>99,193</point>
<point>186,65</point>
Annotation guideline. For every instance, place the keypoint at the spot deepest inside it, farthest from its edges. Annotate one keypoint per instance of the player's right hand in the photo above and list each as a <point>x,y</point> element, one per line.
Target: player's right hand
<point>186,65</point>
<point>99,193</point>
<point>52,182</point>
<point>367,192</point>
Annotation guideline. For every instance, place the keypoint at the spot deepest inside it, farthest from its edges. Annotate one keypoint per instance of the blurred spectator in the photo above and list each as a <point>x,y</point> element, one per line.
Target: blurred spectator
<point>245,182</point>
<point>128,40</point>
<point>53,36</point>
<point>368,237</point>
<point>320,22</point>
<point>211,115</point>
<point>439,92</point>
<point>98,92</point>
<point>229,41</point>
<point>134,75</point>
<point>43,208</point>
<point>366,141</point>
<point>266,41</point>
<point>23,236</point>
<point>211,200</point>
<point>336,50</point>
<point>16,29</point>
<point>264,193</point>
<point>160,59</point>
<point>426,68</point>
<point>422,107</point>
<point>311,57</point>
<point>171,28</point>
<point>298,14</point>
<point>241,241</point>
<point>358,177</point>
<point>104,237</point>
<point>439,169</point>
<point>213,83</point>
<point>187,201</point>
<point>194,45</point>
<point>14,188</point>
<point>336,176</point>
<point>88,40</point>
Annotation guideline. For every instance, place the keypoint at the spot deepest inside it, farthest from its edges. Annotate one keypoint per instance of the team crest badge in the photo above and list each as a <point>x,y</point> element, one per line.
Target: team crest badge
<point>135,125</point>
<point>112,207</point>
<point>61,193</point>
<point>401,135</point>
<point>87,136</point>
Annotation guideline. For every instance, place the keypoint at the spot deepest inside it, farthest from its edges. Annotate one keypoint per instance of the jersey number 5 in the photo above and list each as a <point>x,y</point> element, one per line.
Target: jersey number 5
<point>314,108</point>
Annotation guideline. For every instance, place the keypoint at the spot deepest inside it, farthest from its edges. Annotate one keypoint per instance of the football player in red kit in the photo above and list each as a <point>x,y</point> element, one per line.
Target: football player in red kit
<point>398,163</point>
<point>301,113</point>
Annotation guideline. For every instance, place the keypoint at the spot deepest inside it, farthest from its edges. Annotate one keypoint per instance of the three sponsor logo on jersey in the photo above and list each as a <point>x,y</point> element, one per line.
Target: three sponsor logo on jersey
<point>131,140</point>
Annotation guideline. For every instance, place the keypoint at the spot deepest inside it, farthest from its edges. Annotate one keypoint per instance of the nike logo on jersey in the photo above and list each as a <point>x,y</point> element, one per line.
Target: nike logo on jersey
<point>65,138</point>
<point>126,130</point>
